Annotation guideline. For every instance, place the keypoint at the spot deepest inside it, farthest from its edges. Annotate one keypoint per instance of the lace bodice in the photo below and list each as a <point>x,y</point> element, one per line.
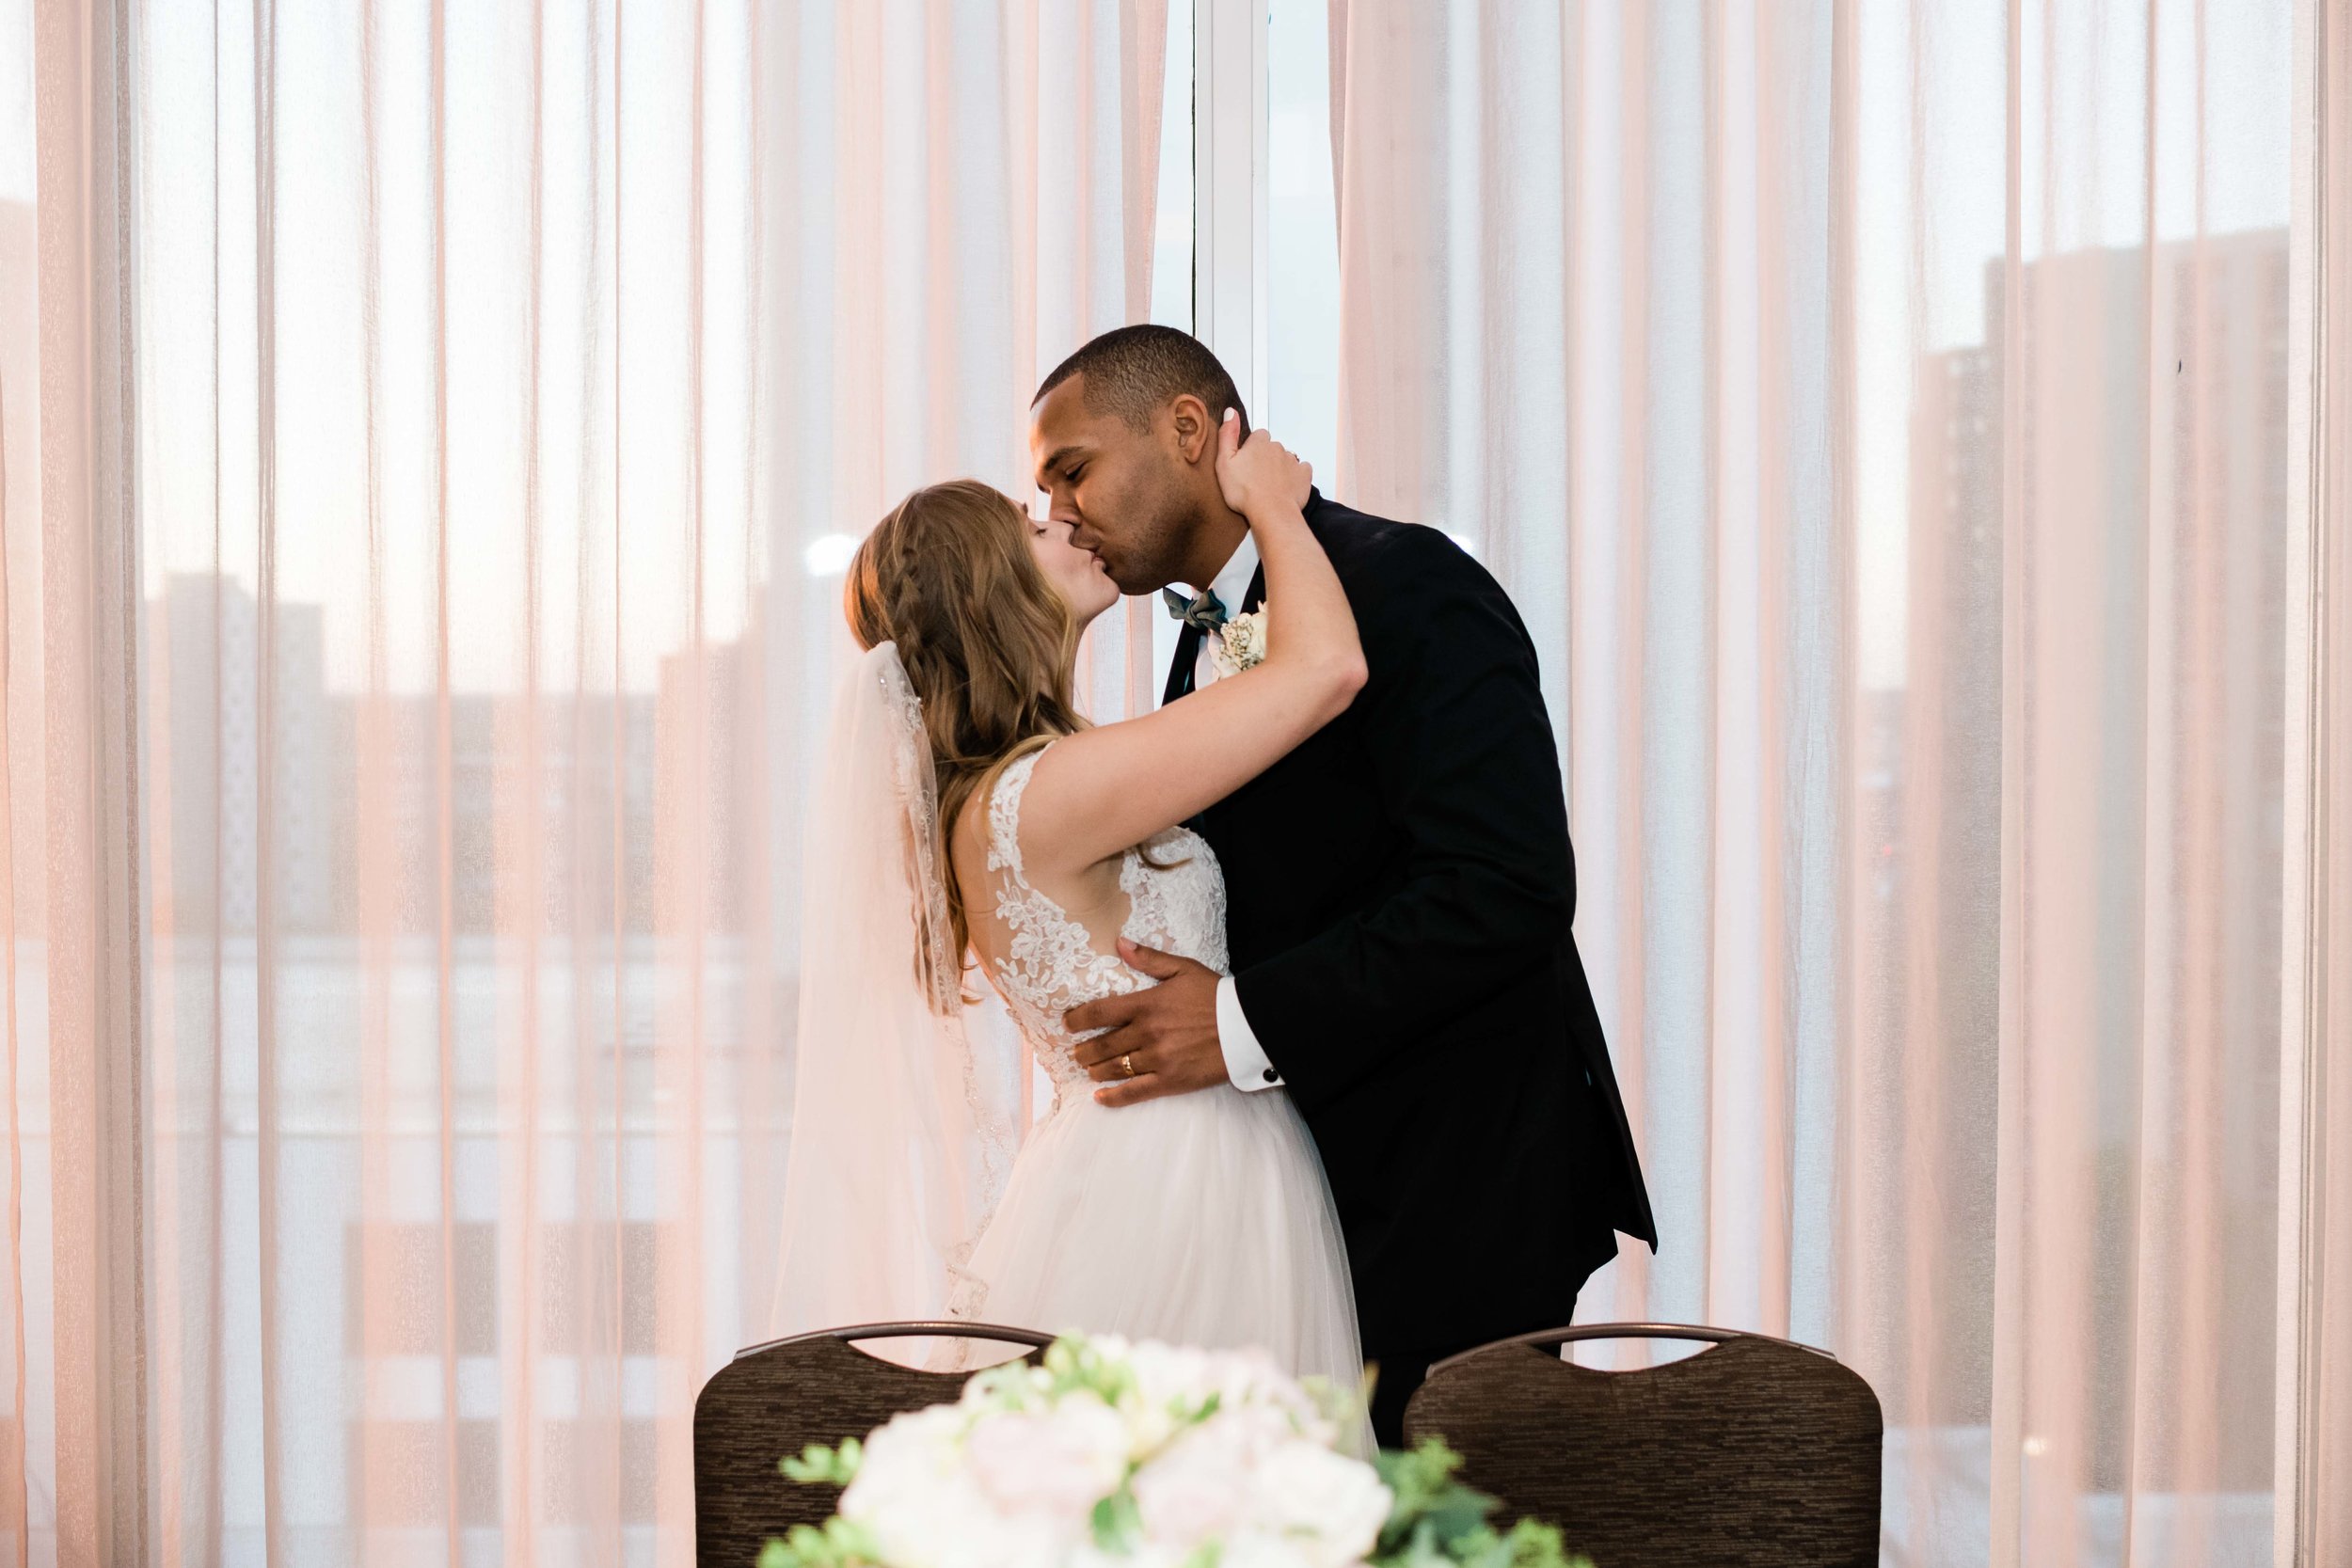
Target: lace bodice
<point>1044,962</point>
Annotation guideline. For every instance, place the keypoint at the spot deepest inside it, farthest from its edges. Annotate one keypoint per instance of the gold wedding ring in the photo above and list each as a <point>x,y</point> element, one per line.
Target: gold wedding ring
<point>1127,1064</point>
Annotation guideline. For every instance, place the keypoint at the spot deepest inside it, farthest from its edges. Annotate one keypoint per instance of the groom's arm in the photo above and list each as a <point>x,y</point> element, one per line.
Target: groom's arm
<point>1462,761</point>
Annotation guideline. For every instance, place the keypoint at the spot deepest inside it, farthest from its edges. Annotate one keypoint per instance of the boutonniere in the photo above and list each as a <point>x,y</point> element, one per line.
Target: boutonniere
<point>1240,643</point>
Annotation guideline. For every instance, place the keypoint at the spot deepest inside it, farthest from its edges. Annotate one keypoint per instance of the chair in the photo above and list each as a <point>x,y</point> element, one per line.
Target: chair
<point>1754,1451</point>
<point>776,1399</point>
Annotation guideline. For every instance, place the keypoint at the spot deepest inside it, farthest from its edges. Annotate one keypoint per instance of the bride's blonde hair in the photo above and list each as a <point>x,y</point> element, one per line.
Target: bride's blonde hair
<point>988,643</point>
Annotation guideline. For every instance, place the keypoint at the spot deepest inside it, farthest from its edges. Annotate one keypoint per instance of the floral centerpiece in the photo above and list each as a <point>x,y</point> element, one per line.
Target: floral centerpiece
<point>1114,1453</point>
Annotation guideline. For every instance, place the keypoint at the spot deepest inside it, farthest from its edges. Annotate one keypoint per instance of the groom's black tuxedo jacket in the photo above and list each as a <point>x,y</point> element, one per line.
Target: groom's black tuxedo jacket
<point>1400,892</point>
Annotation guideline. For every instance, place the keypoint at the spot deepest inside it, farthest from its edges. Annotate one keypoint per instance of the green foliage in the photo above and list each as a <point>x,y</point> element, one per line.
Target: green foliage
<point>1076,1365</point>
<point>837,1543</point>
<point>824,1465</point>
<point>1118,1524</point>
<point>1438,1523</point>
<point>1193,1414</point>
<point>1071,1365</point>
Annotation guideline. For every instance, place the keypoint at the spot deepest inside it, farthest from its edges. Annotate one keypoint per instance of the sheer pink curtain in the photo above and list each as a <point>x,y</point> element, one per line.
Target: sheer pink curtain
<point>2319,945</point>
<point>1882,414</point>
<point>433,434</point>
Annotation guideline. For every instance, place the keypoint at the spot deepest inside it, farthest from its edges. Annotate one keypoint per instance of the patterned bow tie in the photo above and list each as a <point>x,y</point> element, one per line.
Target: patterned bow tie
<point>1203,614</point>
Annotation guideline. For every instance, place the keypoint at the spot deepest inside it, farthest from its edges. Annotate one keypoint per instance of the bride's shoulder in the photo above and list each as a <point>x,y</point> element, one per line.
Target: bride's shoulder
<point>1010,786</point>
<point>1013,778</point>
<point>987,831</point>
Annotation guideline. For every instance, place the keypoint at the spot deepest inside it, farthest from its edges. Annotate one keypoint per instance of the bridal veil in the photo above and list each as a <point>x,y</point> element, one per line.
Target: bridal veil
<point>905,1117</point>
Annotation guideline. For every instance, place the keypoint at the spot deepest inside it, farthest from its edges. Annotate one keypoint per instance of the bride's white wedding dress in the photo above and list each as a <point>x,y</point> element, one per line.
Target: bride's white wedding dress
<point>915,1185</point>
<point>1201,1219</point>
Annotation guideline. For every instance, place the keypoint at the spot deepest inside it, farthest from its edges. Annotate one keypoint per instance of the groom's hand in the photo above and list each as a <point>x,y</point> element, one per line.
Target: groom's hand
<point>1167,1033</point>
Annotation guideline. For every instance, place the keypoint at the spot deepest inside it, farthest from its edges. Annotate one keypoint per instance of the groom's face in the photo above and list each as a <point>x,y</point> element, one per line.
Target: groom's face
<point>1133,496</point>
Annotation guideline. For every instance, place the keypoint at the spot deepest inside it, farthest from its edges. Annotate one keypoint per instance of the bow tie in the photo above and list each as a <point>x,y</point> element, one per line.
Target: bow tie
<point>1203,614</point>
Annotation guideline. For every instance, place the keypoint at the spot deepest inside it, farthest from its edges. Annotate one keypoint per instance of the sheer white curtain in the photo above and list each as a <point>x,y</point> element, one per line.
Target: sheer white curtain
<point>432,433</point>
<point>1882,415</point>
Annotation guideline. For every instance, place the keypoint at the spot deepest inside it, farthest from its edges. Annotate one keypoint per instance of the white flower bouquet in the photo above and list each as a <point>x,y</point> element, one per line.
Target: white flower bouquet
<point>1146,1454</point>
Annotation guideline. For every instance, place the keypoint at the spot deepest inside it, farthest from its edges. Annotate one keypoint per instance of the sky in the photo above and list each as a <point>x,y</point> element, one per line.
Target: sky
<point>16,100</point>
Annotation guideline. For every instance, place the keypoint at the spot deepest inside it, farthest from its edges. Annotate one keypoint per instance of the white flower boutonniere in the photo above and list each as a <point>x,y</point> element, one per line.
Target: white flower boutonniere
<point>1240,643</point>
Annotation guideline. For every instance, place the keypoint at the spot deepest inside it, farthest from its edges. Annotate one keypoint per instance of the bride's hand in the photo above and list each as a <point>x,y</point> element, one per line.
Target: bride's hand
<point>1259,474</point>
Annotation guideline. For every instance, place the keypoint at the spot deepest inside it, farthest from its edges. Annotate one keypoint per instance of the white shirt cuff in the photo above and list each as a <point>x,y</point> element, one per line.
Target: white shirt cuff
<point>1246,1061</point>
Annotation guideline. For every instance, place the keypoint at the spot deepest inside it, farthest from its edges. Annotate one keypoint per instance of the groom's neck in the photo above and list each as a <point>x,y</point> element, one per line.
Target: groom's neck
<point>1220,533</point>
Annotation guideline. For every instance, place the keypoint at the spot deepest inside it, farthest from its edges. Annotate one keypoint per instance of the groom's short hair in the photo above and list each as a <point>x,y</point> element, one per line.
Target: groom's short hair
<point>1134,371</point>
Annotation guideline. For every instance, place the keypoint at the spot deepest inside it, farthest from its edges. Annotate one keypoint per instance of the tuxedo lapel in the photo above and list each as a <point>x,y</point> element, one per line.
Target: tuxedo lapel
<point>1180,669</point>
<point>1254,600</point>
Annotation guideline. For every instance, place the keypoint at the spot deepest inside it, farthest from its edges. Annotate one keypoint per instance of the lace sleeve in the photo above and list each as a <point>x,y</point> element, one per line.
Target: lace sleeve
<point>1004,816</point>
<point>1044,962</point>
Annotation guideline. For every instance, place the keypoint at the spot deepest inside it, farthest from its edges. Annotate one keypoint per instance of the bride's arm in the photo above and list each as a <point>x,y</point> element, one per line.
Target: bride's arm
<point>1103,789</point>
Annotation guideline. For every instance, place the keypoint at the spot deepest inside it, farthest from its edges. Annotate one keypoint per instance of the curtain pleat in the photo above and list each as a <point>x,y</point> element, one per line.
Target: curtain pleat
<point>1909,389</point>
<point>407,712</point>
<point>81,1169</point>
<point>2317,940</point>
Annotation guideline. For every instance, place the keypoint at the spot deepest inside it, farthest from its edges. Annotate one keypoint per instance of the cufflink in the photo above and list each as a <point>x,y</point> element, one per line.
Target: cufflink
<point>1272,1076</point>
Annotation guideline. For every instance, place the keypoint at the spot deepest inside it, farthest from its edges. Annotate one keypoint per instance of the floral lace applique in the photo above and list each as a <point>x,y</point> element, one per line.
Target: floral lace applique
<point>1050,964</point>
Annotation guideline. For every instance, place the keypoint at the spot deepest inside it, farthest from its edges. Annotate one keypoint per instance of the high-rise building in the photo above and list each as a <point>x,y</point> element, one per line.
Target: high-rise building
<point>558,828</point>
<point>2193,541</point>
<point>705,739</point>
<point>209,748</point>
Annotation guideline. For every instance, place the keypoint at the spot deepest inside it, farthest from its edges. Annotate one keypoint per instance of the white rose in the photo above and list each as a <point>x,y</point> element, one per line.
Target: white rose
<point>1329,1506</point>
<point>1254,1377</point>
<point>934,1500</point>
<point>1147,1554</point>
<point>909,1457</point>
<point>1194,1490</point>
<point>1163,1373</point>
<point>1256,1429</point>
<point>1168,1378</point>
<point>1060,1461</point>
<point>962,1532</point>
<point>1240,643</point>
<point>921,1503</point>
<point>1252,1549</point>
<point>954,1527</point>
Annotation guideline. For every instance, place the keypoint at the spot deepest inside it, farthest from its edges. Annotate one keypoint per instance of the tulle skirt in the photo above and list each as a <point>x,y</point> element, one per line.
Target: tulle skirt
<point>1197,1219</point>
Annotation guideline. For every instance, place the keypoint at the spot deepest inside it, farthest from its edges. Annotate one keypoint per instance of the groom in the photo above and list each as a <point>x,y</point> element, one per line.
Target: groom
<point>1401,888</point>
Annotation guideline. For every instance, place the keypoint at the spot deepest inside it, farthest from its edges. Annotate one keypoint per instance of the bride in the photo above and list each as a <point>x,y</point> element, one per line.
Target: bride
<point>968,814</point>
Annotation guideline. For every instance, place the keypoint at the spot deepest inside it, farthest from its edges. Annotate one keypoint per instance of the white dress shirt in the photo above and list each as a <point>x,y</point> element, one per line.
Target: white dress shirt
<point>1246,1061</point>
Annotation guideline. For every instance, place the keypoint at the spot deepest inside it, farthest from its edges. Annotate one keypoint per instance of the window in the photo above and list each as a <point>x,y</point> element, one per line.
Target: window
<point>1301,396</point>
